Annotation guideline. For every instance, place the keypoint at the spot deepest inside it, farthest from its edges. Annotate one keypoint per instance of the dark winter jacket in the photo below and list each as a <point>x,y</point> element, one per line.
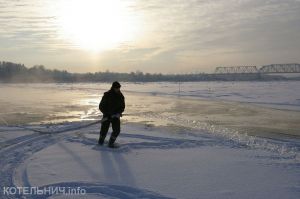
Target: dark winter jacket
<point>112,103</point>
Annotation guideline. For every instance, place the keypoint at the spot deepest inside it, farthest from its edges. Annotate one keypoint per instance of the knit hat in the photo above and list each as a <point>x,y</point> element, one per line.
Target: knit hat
<point>116,85</point>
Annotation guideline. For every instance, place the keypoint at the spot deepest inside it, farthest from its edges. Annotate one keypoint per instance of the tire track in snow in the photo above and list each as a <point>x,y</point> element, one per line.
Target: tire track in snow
<point>14,155</point>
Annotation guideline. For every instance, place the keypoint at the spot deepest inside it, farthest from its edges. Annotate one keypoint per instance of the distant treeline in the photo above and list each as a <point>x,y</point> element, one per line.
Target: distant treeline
<point>19,73</point>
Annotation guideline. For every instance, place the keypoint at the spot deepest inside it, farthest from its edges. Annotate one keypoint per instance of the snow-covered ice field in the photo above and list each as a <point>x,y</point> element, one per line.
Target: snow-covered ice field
<point>151,163</point>
<point>193,140</point>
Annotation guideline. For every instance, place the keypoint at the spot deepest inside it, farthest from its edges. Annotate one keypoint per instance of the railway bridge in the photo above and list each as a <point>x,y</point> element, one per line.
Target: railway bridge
<point>272,68</point>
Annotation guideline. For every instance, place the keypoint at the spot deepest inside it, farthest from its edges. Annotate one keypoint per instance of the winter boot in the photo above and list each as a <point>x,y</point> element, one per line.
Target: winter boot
<point>101,140</point>
<point>111,143</point>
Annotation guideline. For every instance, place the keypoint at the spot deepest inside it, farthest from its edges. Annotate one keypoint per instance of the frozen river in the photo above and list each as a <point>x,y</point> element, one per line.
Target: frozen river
<point>255,108</point>
<point>282,95</point>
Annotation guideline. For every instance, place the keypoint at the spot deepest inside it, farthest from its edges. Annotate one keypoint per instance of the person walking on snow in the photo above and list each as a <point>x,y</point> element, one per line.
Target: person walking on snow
<point>112,106</point>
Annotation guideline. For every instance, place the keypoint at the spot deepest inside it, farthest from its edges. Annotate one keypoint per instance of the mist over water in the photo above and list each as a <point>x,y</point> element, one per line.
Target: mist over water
<point>209,103</point>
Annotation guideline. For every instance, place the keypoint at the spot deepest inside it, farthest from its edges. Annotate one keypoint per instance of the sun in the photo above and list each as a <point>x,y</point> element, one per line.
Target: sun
<point>96,25</point>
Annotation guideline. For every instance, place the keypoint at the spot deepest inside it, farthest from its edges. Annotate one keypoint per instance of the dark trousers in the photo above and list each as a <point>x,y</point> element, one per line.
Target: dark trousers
<point>115,127</point>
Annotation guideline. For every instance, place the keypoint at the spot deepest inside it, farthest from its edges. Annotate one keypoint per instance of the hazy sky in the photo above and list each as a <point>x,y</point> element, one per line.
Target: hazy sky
<point>167,36</point>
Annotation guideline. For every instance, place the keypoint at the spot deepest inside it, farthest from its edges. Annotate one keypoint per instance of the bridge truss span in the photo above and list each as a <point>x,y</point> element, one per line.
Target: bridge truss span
<point>280,68</point>
<point>236,70</point>
<point>272,68</point>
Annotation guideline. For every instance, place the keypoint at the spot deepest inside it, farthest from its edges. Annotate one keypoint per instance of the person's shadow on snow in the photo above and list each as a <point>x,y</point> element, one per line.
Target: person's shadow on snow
<point>88,168</point>
<point>116,168</point>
